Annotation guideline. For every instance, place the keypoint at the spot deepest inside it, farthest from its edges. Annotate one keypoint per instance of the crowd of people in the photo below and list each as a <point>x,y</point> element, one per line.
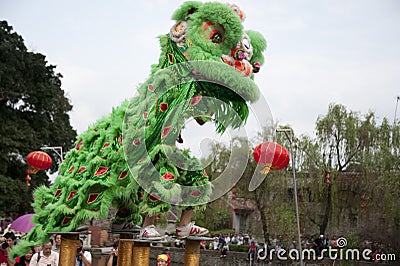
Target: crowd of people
<point>219,242</point>
<point>44,255</point>
<point>48,253</point>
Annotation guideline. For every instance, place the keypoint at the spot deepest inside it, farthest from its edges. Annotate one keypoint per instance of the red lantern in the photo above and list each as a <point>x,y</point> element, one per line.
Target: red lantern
<point>28,179</point>
<point>39,160</point>
<point>363,198</point>
<point>272,155</point>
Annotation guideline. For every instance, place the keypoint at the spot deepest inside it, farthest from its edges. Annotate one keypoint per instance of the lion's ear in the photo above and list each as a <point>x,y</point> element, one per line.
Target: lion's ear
<point>185,10</point>
<point>259,44</point>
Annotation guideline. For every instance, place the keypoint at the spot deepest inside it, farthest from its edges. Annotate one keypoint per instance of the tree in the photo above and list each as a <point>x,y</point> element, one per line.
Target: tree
<point>363,161</point>
<point>33,113</point>
<point>342,135</point>
<point>361,195</point>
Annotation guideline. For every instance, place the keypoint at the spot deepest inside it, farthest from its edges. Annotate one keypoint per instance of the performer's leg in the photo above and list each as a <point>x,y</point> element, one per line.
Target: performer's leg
<point>187,227</point>
<point>186,217</point>
<point>148,220</point>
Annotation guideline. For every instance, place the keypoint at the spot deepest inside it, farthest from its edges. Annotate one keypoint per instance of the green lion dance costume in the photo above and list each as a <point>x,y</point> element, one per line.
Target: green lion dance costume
<point>129,159</point>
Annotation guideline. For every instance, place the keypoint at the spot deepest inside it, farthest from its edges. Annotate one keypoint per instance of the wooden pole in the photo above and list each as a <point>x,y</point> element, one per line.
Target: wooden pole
<point>192,252</point>
<point>141,253</point>
<point>69,243</point>
<point>124,252</point>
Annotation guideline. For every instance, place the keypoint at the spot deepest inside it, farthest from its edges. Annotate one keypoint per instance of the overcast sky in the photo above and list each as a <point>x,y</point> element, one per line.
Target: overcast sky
<point>319,52</point>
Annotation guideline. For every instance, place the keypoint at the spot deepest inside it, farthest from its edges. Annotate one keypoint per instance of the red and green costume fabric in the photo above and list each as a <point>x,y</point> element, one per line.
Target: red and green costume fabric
<point>129,159</point>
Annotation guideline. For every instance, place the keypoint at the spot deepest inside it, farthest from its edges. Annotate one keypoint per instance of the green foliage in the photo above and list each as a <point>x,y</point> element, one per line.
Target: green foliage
<point>283,218</point>
<point>353,240</point>
<point>33,113</point>
<point>12,192</point>
<point>239,248</point>
<point>363,159</point>
<point>215,217</point>
<point>362,156</point>
<point>223,231</point>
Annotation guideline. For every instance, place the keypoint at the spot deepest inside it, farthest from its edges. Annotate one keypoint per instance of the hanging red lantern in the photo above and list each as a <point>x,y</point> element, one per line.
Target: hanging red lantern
<point>272,155</point>
<point>233,191</point>
<point>28,179</point>
<point>39,160</point>
<point>363,198</point>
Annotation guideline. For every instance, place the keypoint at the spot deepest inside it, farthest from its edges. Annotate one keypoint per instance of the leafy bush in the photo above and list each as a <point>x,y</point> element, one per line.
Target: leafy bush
<point>224,231</point>
<point>238,248</point>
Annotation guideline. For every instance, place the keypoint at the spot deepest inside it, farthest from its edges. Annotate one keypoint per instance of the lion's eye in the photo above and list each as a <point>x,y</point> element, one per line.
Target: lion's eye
<point>214,32</point>
<point>216,37</point>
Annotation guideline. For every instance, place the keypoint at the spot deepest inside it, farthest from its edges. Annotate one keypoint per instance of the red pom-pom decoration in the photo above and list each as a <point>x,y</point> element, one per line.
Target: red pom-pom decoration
<point>272,156</point>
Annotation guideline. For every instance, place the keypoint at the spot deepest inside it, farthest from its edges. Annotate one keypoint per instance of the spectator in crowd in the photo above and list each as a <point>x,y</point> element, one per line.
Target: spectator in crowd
<point>46,257</point>
<point>3,252</point>
<point>202,244</point>
<point>234,239</point>
<point>6,246</point>
<point>221,240</point>
<point>163,260</point>
<point>112,260</point>
<point>252,251</point>
<point>224,250</point>
<point>57,243</point>
<point>274,242</point>
<point>215,243</point>
<point>178,243</point>
<point>292,245</point>
<point>228,239</point>
<point>83,257</point>
<point>240,240</point>
<point>333,242</point>
<point>210,245</point>
<point>37,248</point>
<point>26,259</point>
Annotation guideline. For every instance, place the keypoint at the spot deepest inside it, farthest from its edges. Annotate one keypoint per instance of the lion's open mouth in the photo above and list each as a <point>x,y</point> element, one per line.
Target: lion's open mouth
<point>241,65</point>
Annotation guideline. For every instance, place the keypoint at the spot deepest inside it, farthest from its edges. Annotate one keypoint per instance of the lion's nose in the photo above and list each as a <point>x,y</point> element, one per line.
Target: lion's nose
<point>238,53</point>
